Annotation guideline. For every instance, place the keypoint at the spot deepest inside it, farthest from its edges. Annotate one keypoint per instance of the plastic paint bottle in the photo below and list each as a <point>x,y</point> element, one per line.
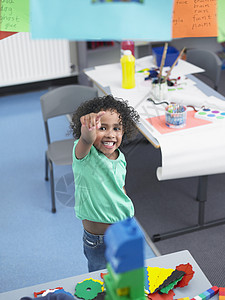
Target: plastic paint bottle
<point>128,70</point>
<point>127,45</point>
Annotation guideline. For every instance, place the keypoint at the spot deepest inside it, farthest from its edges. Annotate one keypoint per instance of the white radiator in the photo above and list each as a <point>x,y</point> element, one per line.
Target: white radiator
<point>23,60</point>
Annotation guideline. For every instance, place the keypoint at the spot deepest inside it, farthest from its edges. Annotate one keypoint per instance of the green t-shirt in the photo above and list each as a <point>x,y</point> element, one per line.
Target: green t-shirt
<point>99,193</point>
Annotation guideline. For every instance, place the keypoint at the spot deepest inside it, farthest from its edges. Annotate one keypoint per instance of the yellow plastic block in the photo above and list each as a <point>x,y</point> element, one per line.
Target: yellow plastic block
<point>123,291</point>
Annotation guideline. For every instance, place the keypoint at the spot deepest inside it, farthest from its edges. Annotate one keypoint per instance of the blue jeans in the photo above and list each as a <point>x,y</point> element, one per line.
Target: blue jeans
<point>94,250</point>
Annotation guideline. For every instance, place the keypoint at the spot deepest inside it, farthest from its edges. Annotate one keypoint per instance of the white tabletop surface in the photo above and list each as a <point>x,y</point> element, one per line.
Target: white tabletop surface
<point>198,284</point>
<point>186,152</point>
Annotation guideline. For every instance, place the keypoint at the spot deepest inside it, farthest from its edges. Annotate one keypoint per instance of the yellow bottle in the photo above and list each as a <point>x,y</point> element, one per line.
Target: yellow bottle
<point>128,70</point>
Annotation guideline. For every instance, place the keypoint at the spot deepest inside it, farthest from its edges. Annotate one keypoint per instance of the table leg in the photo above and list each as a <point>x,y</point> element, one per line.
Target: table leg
<point>201,198</point>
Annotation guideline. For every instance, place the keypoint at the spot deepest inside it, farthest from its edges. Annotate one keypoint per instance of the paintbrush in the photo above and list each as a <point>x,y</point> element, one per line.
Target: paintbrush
<point>179,56</point>
<point>162,62</point>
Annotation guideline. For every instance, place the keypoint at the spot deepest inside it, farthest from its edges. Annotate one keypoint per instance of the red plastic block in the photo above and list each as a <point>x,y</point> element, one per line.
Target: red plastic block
<point>222,291</point>
<point>215,288</point>
<point>213,291</point>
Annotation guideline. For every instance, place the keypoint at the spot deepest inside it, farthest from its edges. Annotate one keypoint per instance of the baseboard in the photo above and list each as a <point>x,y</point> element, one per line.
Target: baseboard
<point>39,85</point>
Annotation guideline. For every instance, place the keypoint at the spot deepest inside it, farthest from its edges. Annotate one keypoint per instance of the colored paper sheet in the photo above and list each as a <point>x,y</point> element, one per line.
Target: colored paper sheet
<point>221,20</point>
<point>159,123</point>
<point>14,15</point>
<point>193,18</point>
<point>84,20</point>
<point>5,34</point>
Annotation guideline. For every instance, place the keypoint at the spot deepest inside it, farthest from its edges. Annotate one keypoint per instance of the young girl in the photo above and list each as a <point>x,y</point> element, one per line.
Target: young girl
<point>99,169</point>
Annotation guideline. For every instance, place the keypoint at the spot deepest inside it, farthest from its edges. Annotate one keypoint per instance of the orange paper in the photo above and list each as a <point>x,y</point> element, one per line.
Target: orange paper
<point>159,123</point>
<point>194,18</point>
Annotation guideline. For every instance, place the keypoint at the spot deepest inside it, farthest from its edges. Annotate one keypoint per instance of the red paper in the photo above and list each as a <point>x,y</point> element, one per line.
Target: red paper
<point>5,34</point>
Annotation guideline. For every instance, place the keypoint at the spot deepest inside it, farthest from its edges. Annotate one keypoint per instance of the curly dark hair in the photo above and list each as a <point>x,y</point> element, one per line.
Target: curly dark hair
<point>128,116</point>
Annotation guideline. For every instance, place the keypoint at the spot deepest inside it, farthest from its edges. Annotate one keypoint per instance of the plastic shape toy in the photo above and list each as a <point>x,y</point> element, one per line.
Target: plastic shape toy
<point>44,291</point>
<point>124,253</point>
<point>221,293</point>
<point>124,246</point>
<point>189,273</point>
<point>88,289</point>
<point>207,294</point>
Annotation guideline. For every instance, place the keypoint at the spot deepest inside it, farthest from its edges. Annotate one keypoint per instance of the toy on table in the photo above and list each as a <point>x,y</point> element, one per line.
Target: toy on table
<point>207,294</point>
<point>125,256</point>
<point>221,293</point>
<point>88,289</point>
<point>163,280</point>
<point>210,114</point>
<point>43,292</point>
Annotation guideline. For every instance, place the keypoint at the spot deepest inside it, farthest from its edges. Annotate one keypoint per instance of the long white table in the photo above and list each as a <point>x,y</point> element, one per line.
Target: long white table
<point>197,151</point>
<point>198,284</point>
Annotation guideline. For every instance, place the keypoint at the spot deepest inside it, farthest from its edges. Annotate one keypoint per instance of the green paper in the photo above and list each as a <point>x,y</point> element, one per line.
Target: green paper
<point>221,20</point>
<point>14,15</point>
<point>169,287</point>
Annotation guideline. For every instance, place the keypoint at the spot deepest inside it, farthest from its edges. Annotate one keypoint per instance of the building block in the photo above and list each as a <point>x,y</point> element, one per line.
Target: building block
<point>202,296</point>
<point>125,261</point>
<point>127,285</point>
<point>197,298</point>
<point>213,290</point>
<point>125,246</point>
<point>206,294</point>
<point>222,291</point>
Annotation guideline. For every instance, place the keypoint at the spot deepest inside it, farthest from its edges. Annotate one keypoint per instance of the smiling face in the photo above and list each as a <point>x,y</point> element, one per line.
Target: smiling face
<point>109,135</point>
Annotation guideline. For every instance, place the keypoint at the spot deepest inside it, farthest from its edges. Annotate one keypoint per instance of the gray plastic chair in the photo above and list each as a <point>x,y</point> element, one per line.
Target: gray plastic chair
<point>61,101</point>
<point>207,60</point>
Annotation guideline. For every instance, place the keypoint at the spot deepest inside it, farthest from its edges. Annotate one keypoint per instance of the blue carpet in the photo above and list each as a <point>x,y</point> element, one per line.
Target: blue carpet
<point>36,245</point>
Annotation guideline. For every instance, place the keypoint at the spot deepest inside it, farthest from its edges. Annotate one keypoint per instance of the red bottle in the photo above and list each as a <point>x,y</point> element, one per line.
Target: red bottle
<point>127,45</point>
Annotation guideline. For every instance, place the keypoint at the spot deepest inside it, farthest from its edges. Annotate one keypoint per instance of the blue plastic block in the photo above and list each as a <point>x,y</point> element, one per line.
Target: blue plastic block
<point>125,246</point>
<point>212,292</point>
<point>207,295</point>
<point>171,56</point>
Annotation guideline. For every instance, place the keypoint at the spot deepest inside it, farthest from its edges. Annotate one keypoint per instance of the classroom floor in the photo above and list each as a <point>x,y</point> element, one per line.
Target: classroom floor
<point>38,246</point>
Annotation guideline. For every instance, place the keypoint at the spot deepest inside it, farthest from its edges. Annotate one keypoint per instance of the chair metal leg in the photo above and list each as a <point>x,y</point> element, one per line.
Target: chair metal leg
<point>46,167</point>
<point>52,187</point>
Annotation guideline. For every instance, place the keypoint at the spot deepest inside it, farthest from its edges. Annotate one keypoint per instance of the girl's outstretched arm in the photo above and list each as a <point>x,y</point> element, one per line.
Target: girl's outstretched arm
<point>90,124</point>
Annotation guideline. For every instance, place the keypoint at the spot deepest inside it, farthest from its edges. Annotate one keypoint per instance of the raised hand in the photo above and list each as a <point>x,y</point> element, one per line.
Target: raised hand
<point>90,123</point>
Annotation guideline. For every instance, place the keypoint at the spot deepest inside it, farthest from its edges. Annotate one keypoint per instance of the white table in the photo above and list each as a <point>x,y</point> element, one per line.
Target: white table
<point>198,284</point>
<point>197,151</point>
